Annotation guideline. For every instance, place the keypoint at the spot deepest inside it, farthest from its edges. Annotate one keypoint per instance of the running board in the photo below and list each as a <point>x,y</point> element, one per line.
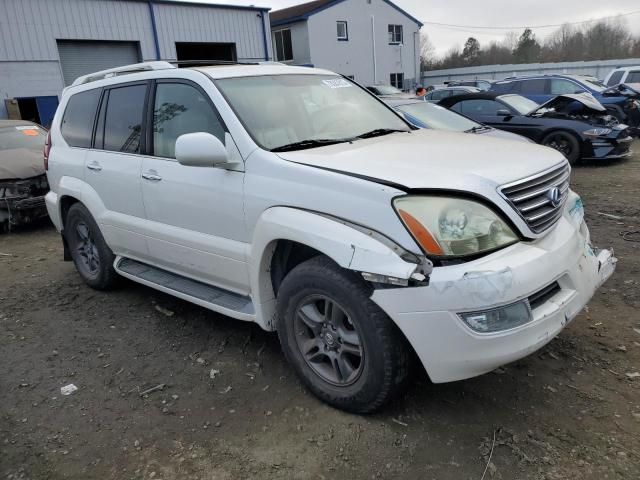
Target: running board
<point>207,296</point>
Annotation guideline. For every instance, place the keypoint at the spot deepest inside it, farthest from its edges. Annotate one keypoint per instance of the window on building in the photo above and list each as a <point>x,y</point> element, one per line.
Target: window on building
<point>395,34</point>
<point>178,109</point>
<point>77,123</point>
<point>123,119</point>
<point>397,80</point>
<point>282,42</point>
<point>343,31</point>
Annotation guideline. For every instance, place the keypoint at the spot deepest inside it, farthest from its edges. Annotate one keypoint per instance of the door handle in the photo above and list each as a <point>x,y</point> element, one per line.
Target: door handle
<point>151,175</point>
<point>95,166</point>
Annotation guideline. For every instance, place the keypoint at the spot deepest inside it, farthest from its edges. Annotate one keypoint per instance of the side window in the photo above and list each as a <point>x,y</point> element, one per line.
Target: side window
<point>440,94</point>
<point>533,87</point>
<point>481,107</point>
<point>77,122</point>
<point>633,77</point>
<point>178,109</point>
<point>561,87</point>
<point>123,119</point>
<point>615,78</point>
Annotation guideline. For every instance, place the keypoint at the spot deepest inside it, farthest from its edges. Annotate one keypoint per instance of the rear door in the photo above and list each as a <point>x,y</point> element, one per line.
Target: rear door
<point>195,215</point>
<point>113,167</point>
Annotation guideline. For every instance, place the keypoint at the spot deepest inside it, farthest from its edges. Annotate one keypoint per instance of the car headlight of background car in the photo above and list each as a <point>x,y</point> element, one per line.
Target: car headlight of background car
<point>597,132</point>
<point>453,227</point>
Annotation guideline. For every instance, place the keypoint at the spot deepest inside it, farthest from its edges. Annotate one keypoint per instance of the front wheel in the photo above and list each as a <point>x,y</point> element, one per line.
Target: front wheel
<point>565,143</point>
<point>342,345</point>
<point>91,255</point>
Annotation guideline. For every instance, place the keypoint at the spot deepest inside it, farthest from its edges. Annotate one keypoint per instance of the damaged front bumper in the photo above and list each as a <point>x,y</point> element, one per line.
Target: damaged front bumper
<point>557,274</point>
<point>22,201</point>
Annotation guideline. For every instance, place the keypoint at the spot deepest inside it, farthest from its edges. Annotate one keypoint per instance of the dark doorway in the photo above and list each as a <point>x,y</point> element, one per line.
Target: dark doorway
<point>206,51</point>
<point>28,109</point>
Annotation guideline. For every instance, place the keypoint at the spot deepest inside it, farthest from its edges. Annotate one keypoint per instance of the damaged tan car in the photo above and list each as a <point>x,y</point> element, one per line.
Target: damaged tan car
<point>23,183</point>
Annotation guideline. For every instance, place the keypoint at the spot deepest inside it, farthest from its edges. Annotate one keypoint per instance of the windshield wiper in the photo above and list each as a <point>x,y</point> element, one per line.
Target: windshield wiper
<point>479,128</point>
<point>309,143</point>
<point>378,132</point>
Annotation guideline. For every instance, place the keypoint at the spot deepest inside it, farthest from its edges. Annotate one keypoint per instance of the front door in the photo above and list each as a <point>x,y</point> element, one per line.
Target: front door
<point>113,168</point>
<point>195,215</point>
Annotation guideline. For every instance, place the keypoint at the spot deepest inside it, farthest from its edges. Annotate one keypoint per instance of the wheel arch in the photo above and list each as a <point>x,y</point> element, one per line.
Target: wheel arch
<point>284,237</point>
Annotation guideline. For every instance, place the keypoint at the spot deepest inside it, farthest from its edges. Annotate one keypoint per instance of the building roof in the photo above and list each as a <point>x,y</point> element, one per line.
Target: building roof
<point>303,11</point>
<point>212,5</point>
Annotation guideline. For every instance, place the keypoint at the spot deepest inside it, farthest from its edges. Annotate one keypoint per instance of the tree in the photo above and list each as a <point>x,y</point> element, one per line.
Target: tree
<point>471,51</point>
<point>427,53</point>
<point>528,49</point>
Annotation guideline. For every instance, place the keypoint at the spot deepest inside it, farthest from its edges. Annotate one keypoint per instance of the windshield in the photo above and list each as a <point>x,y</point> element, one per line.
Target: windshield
<point>30,137</point>
<point>283,110</point>
<point>520,104</point>
<point>437,117</point>
<point>387,90</point>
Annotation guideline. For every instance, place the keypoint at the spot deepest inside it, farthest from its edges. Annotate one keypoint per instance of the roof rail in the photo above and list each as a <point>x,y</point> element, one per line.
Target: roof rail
<point>124,70</point>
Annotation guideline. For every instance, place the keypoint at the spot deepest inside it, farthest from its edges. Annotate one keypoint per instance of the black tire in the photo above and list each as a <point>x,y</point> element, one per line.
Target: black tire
<point>91,255</point>
<point>565,143</point>
<point>383,369</point>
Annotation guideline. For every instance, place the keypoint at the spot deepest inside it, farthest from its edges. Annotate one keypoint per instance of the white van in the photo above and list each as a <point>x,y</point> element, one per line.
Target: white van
<point>293,198</point>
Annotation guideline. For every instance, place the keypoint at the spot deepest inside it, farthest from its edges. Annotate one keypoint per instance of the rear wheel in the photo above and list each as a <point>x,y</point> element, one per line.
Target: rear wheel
<point>91,255</point>
<point>565,143</point>
<point>342,345</point>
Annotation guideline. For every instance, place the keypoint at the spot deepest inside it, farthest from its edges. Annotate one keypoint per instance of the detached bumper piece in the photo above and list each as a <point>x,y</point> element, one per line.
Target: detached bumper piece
<point>22,201</point>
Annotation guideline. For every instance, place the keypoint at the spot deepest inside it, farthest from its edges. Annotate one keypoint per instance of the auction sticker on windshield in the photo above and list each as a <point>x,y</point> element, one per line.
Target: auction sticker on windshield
<point>337,83</point>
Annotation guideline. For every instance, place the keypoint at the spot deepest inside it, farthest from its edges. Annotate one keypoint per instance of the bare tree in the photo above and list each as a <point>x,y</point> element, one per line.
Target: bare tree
<point>427,52</point>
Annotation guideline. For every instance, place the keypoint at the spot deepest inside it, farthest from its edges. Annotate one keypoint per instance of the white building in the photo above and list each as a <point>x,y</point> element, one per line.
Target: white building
<point>46,44</point>
<point>373,41</point>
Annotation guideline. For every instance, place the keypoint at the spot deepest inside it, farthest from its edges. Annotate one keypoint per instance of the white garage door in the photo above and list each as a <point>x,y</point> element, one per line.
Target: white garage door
<point>79,57</point>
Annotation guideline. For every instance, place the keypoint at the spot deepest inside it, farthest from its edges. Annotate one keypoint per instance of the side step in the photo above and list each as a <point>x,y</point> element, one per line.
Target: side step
<point>207,296</point>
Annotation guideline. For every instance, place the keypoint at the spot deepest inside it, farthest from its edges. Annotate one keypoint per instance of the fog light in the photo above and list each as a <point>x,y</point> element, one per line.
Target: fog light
<point>498,319</point>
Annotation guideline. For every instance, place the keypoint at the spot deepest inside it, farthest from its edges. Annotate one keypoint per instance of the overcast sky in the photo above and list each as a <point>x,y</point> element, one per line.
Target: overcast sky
<point>493,13</point>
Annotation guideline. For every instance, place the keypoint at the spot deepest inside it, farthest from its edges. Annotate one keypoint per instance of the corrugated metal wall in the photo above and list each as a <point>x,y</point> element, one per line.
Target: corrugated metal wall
<point>29,30</point>
<point>598,68</point>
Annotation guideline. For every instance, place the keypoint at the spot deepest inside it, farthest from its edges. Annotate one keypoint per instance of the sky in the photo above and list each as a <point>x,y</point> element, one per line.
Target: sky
<point>490,13</point>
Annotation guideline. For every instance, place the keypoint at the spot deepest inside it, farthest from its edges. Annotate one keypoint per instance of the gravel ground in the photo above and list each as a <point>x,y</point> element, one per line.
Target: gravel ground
<point>230,407</point>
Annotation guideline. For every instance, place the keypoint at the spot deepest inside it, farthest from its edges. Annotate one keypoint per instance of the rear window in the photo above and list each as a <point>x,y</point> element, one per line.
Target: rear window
<point>615,78</point>
<point>30,137</point>
<point>77,123</point>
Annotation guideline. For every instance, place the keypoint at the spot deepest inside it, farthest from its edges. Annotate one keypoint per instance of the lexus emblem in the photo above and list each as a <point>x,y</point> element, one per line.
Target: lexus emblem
<point>554,196</point>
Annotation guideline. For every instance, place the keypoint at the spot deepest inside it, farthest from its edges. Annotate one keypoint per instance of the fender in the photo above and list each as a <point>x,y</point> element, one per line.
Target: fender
<point>350,246</point>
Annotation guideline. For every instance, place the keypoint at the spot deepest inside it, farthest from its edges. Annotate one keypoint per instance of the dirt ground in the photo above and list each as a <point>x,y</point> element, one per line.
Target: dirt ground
<point>231,408</point>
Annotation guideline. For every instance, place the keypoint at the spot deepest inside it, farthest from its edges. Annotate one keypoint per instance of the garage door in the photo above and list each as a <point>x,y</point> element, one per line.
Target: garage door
<point>81,57</point>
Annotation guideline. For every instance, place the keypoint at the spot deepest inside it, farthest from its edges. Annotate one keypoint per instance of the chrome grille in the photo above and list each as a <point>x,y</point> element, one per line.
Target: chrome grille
<point>533,197</point>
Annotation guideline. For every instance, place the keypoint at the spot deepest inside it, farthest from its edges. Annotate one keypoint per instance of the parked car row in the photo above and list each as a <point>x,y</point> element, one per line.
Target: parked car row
<point>325,215</point>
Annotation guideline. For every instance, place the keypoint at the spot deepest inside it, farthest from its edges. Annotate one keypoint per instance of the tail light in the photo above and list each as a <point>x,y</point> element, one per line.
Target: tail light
<point>47,149</point>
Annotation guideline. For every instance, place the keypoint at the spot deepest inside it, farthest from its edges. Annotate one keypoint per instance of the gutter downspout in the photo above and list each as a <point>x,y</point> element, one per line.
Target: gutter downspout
<point>373,43</point>
<point>264,37</point>
<point>154,29</point>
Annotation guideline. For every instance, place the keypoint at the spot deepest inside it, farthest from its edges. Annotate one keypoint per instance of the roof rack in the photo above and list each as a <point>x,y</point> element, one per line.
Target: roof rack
<point>124,70</point>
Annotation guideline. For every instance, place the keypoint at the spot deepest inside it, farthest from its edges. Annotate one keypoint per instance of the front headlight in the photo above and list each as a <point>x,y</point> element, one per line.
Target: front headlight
<point>597,132</point>
<point>453,227</point>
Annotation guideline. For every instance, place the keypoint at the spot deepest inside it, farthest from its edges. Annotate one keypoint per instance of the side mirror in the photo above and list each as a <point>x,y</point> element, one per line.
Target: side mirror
<point>503,112</point>
<point>200,149</point>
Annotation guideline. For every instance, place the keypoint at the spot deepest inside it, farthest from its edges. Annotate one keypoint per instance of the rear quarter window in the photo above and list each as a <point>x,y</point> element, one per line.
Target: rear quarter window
<point>77,122</point>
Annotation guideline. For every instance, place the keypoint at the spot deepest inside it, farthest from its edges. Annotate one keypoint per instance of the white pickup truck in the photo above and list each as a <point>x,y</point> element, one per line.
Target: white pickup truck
<point>293,198</point>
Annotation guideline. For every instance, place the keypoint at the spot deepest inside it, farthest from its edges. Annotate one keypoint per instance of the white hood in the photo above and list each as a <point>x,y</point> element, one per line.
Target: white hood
<point>434,159</point>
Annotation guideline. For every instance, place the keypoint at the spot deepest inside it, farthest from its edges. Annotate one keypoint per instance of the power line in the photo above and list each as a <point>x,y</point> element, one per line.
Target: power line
<point>486,27</point>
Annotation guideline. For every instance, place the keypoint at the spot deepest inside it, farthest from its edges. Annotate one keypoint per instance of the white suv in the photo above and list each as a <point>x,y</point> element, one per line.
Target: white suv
<point>293,198</point>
